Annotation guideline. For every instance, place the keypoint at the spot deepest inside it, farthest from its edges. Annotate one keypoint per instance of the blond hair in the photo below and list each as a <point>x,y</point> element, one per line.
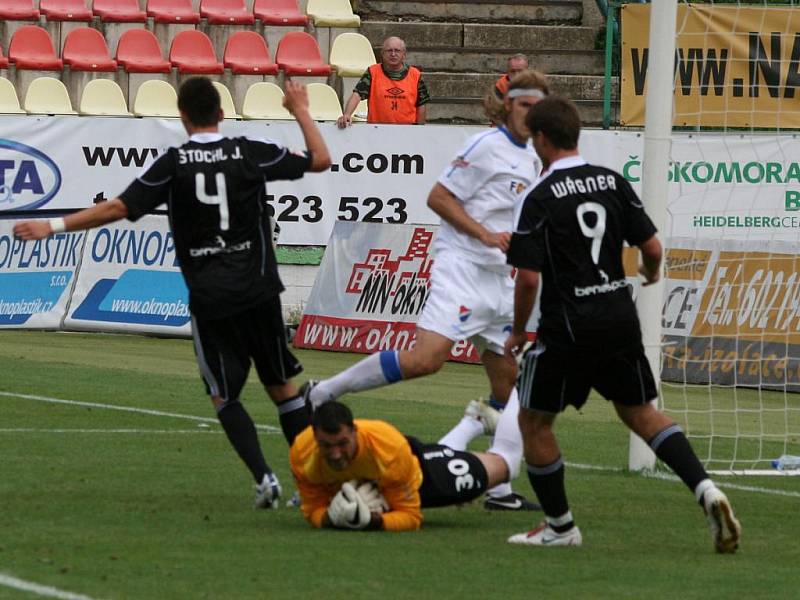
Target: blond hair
<point>495,107</point>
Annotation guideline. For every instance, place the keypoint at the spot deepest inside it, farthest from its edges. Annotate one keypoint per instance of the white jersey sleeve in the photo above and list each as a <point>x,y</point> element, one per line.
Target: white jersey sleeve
<point>470,169</point>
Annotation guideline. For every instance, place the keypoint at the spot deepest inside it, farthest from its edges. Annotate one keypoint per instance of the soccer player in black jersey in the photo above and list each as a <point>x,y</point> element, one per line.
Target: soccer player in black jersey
<point>214,189</point>
<point>569,235</point>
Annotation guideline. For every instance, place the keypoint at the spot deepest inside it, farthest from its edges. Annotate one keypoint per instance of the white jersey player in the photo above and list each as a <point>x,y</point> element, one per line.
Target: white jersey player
<point>472,293</point>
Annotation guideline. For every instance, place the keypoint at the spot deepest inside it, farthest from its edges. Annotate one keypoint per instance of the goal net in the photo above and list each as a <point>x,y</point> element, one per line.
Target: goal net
<point>730,338</point>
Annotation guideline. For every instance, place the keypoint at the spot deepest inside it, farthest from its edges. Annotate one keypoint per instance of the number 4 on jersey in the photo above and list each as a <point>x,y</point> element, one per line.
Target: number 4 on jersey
<point>220,198</point>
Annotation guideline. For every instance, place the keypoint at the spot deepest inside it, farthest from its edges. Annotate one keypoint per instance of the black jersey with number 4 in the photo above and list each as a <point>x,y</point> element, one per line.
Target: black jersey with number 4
<point>571,229</point>
<point>215,192</point>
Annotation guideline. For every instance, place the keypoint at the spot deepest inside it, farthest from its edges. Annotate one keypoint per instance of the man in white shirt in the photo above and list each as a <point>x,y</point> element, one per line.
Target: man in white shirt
<point>472,292</point>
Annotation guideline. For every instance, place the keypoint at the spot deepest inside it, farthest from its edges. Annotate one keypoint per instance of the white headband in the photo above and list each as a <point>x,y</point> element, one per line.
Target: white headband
<point>517,92</point>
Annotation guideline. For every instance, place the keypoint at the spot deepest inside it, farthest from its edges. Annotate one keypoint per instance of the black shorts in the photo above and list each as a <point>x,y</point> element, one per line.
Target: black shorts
<point>552,378</point>
<point>448,476</point>
<point>224,348</point>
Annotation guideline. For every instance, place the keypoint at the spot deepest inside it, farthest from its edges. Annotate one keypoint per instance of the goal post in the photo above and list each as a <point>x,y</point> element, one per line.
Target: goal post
<point>657,146</point>
<point>716,86</point>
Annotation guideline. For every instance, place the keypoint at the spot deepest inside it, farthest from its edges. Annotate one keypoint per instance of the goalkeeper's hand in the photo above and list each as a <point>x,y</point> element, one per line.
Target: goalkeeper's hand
<point>348,510</point>
<point>369,493</point>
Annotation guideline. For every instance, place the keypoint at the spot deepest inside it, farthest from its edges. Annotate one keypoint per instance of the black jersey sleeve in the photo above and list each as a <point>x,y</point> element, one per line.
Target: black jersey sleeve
<point>638,226</point>
<point>278,162</point>
<point>527,248</point>
<point>150,189</point>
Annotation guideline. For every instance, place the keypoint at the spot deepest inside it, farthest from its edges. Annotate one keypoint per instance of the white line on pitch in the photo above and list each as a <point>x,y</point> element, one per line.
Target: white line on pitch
<point>41,430</point>
<point>41,590</point>
<point>671,477</point>
<point>144,411</point>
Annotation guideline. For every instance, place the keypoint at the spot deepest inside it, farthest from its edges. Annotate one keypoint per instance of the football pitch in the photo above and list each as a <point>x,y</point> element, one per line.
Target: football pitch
<point>117,482</point>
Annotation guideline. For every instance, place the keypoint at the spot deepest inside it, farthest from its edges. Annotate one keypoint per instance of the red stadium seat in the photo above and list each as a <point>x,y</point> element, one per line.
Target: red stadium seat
<point>119,11</point>
<point>65,10</point>
<point>85,50</point>
<point>226,12</point>
<point>172,11</point>
<point>298,54</point>
<point>18,10</point>
<point>32,48</point>
<point>279,12</point>
<point>246,53</point>
<point>192,52</point>
<point>138,52</point>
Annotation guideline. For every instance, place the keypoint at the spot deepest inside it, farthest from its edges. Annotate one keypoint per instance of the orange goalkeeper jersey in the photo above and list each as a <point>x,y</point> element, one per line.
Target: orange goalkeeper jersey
<point>383,455</point>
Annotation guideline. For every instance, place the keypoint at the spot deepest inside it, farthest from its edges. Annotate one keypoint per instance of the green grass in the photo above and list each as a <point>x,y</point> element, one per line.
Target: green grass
<point>163,511</point>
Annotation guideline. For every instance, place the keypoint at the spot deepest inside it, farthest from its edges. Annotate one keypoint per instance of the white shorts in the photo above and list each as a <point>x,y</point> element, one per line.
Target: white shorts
<point>469,302</point>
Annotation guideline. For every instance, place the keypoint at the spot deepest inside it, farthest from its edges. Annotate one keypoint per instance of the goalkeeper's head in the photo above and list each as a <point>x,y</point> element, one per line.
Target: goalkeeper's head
<point>335,434</point>
<point>199,105</point>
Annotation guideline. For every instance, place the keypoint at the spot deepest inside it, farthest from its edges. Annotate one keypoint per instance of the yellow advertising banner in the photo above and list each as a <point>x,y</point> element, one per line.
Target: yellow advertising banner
<point>735,66</point>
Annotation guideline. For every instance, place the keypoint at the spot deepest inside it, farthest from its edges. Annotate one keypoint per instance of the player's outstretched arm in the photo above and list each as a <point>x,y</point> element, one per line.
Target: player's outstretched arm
<point>99,214</point>
<point>652,254</point>
<point>296,102</point>
<point>447,206</point>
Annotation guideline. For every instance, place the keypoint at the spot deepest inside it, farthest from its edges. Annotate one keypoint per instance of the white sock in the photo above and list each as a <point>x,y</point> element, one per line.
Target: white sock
<point>500,490</point>
<point>507,440</point>
<point>702,488</point>
<point>374,371</point>
<point>466,430</point>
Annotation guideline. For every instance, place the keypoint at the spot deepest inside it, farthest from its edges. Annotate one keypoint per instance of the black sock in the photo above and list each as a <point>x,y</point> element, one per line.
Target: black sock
<point>294,417</point>
<point>548,483</point>
<point>241,432</point>
<point>672,447</point>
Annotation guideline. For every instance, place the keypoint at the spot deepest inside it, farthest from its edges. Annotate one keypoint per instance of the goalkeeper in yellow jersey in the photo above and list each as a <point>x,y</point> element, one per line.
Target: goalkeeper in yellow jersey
<point>365,474</point>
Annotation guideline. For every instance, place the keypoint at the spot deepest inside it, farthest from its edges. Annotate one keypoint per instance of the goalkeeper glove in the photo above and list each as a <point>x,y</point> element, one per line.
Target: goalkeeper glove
<point>348,510</point>
<point>368,491</point>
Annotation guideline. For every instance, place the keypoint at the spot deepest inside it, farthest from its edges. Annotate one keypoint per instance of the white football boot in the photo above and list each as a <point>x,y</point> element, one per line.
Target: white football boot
<point>544,535</point>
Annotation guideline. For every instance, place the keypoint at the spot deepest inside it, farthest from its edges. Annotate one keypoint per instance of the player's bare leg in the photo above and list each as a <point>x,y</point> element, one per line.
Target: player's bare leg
<point>670,444</point>
<point>431,350</point>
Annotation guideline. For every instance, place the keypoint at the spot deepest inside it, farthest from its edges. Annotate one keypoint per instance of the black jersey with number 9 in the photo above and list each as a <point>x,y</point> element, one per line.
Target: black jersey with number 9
<point>571,229</point>
<point>215,191</point>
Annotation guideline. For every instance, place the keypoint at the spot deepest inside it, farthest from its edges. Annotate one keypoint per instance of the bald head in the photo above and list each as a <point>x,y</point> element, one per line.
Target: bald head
<point>393,53</point>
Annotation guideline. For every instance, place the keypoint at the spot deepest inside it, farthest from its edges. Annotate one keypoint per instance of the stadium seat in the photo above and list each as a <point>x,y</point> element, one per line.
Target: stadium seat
<point>119,11</point>
<point>246,53</point>
<point>192,52</point>
<point>103,97</point>
<point>9,103</point>
<point>332,13</point>
<point>351,54</point>
<point>85,50</point>
<point>226,12</point>
<point>138,52</point>
<point>323,103</point>
<point>65,10</point>
<point>298,54</point>
<point>18,10</point>
<point>172,11</point>
<point>264,101</point>
<point>47,96</point>
<point>361,112</point>
<point>156,98</point>
<point>32,48</point>
<point>226,101</point>
<point>279,12</point>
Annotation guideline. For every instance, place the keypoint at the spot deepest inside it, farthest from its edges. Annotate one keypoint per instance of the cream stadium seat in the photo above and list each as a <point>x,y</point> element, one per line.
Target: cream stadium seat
<point>156,98</point>
<point>226,100</point>
<point>323,103</point>
<point>351,54</point>
<point>361,112</point>
<point>264,100</point>
<point>47,96</point>
<point>9,103</point>
<point>103,97</point>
